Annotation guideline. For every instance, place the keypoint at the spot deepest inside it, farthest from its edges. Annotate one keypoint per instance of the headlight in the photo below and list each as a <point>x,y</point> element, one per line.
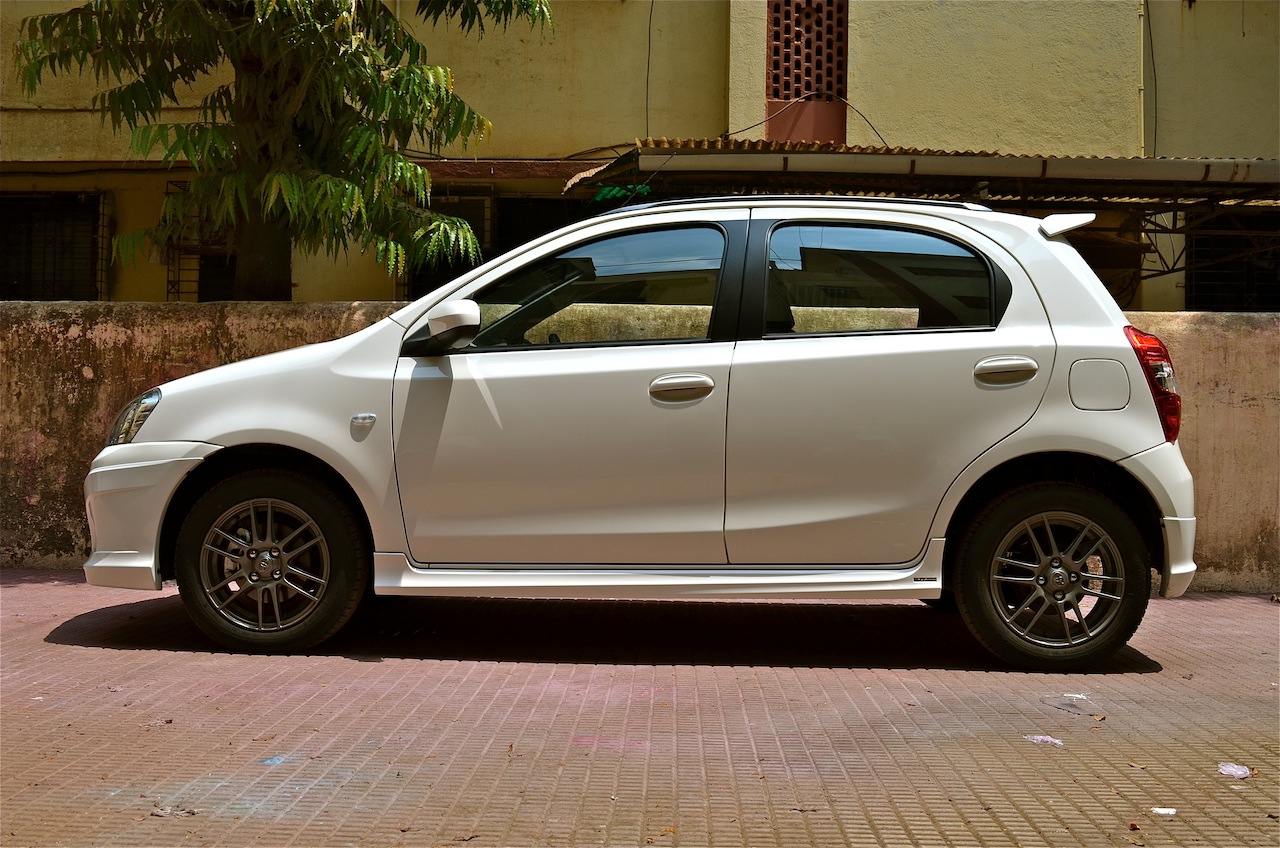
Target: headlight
<point>132,417</point>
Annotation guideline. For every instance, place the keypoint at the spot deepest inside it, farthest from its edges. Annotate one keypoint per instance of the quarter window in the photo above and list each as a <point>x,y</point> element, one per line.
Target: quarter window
<point>833,278</point>
<point>655,285</point>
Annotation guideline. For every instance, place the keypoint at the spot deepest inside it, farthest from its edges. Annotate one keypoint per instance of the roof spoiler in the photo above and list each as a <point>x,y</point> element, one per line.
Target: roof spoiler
<point>1056,225</point>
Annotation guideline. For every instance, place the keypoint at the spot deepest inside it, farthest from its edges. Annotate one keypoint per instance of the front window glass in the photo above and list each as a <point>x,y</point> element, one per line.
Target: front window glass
<point>656,285</point>
<point>834,278</point>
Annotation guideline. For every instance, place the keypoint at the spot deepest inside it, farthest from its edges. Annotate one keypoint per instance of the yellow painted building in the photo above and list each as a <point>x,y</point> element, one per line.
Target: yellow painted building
<point>974,87</point>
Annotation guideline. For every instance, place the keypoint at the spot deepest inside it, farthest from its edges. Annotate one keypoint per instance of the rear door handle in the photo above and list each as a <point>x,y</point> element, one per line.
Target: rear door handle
<point>1005,370</point>
<point>679,388</point>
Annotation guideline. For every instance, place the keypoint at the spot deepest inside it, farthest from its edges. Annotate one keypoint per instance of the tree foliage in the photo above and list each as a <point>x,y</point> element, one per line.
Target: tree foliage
<point>307,140</point>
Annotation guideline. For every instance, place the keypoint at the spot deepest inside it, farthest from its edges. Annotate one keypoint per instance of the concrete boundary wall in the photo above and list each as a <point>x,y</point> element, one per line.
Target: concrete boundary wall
<point>69,367</point>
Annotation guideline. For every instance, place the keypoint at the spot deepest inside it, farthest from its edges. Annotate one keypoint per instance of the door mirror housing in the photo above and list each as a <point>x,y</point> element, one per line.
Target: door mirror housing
<point>450,325</point>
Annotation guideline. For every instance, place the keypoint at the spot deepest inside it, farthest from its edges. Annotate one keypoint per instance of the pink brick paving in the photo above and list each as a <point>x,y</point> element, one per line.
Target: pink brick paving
<point>486,723</point>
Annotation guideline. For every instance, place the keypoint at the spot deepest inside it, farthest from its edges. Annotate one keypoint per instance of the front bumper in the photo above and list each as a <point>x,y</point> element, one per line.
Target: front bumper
<point>125,495</point>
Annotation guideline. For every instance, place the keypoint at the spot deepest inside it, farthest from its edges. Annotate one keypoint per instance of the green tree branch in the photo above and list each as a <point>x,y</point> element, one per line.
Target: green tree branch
<point>304,145</point>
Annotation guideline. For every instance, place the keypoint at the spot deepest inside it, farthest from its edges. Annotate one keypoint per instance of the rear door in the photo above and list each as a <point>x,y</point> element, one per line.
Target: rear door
<point>882,354</point>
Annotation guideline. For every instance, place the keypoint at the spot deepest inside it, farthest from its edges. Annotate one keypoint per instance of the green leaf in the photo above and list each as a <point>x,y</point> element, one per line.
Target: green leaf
<point>471,14</point>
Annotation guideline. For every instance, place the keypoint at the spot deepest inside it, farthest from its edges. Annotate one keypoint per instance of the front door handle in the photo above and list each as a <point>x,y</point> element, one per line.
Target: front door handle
<point>1005,370</point>
<point>680,388</point>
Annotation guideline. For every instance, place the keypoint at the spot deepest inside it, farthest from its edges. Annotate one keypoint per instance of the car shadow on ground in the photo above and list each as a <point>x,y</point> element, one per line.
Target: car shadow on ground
<point>861,634</point>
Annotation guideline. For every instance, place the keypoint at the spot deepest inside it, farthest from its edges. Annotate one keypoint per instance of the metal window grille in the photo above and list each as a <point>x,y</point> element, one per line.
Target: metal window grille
<point>198,270</point>
<point>55,246</point>
<point>808,49</point>
<point>1233,263</point>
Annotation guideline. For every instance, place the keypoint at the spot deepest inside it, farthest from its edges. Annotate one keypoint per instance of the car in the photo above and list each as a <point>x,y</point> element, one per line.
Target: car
<point>750,397</point>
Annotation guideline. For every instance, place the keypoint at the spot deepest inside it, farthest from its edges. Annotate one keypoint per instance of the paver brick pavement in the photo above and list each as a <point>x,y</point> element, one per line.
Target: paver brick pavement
<point>445,722</point>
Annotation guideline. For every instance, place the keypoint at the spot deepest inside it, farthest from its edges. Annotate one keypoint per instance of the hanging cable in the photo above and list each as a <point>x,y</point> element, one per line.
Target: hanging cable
<point>801,99</point>
<point>648,63</point>
<point>1155,86</point>
<point>635,190</point>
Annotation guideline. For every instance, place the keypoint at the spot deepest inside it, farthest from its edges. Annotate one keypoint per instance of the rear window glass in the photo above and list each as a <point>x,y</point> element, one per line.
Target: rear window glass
<point>838,278</point>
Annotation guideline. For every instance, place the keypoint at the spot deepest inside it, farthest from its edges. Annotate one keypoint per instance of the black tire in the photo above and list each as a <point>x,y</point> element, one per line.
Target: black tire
<point>271,561</point>
<point>1053,577</point>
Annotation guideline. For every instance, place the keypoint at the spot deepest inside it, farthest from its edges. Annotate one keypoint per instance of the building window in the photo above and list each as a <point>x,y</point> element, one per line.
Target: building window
<point>54,246</point>
<point>1233,262</point>
<point>199,270</point>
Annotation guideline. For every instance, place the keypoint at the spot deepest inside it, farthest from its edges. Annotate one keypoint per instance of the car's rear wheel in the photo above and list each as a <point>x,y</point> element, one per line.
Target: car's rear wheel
<point>271,561</point>
<point>1053,577</point>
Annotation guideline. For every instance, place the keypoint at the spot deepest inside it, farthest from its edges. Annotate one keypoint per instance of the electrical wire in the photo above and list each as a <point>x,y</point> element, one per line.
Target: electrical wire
<point>1155,85</point>
<point>648,63</point>
<point>636,189</point>
<point>801,99</point>
<point>591,152</point>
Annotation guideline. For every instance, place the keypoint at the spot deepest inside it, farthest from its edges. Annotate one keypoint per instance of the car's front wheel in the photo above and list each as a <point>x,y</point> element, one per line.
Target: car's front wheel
<point>271,561</point>
<point>1053,577</point>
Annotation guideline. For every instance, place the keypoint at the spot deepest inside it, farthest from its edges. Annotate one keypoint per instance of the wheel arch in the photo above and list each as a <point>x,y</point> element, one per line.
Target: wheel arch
<point>1099,475</point>
<point>249,457</point>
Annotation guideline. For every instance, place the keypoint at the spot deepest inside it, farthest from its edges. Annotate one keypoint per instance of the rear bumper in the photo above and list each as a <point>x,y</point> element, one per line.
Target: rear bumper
<point>126,494</point>
<point>1163,471</point>
<point>1179,567</point>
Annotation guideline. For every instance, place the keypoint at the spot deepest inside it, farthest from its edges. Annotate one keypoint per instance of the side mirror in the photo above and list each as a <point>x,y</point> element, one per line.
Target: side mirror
<point>450,325</point>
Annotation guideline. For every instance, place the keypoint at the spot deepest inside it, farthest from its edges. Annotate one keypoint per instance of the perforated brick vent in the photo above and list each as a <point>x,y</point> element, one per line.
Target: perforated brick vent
<point>808,49</point>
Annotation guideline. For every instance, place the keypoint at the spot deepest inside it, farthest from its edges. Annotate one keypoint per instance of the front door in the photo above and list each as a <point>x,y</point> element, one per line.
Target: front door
<point>586,423</point>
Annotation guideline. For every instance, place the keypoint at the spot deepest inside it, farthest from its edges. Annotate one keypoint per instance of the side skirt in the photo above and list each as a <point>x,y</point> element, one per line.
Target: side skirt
<point>393,574</point>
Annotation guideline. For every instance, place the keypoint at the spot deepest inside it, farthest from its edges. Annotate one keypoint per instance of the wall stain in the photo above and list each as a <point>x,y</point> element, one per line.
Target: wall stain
<point>68,368</point>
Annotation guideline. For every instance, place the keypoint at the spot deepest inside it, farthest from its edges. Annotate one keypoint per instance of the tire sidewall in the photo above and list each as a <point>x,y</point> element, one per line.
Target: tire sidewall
<point>348,558</point>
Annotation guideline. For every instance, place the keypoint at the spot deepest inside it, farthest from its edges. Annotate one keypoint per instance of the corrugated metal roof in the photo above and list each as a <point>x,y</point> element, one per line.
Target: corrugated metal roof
<point>762,146</point>
<point>692,166</point>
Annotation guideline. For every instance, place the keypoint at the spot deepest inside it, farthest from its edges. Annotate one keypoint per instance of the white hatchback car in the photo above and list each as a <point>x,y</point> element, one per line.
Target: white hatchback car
<point>738,397</point>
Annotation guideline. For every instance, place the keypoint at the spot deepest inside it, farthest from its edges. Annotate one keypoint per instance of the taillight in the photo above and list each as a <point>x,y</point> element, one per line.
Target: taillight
<point>1158,367</point>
